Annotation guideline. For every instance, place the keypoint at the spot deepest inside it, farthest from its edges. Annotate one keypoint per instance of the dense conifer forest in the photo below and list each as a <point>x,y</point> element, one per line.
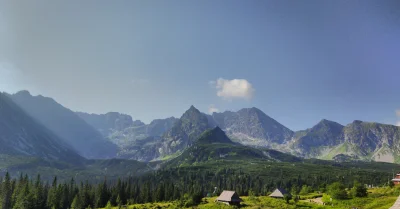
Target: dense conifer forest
<point>186,184</point>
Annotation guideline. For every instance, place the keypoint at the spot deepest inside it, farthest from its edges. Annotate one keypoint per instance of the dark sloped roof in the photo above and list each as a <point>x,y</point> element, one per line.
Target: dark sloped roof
<point>279,192</point>
<point>229,196</point>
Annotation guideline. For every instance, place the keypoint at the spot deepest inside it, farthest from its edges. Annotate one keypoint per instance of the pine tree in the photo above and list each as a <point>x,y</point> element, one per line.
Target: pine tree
<point>6,192</point>
<point>38,194</point>
<point>53,196</point>
<point>160,193</point>
<point>119,201</point>
<point>76,204</point>
<point>25,199</point>
<point>108,206</point>
<point>101,195</point>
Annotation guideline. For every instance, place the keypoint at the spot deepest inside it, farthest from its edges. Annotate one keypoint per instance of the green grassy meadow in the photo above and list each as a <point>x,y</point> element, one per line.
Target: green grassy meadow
<point>378,198</point>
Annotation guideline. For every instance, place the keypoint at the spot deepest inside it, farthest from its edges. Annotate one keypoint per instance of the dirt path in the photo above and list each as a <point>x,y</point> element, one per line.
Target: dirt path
<point>316,201</point>
<point>396,205</point>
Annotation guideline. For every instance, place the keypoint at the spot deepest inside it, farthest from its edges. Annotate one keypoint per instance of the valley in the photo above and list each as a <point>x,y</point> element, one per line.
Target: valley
<point>245,151</point>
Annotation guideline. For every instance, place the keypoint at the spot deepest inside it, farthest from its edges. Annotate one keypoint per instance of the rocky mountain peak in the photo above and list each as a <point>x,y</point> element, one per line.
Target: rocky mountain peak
<point>192,109</point>
<point>324,123</point>
<point>193,115</point>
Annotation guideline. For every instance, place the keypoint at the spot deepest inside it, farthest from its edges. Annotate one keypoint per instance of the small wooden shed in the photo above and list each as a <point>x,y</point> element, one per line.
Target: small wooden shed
<point>229,198</point>
<point>279,193</point>
<point>396,180</point>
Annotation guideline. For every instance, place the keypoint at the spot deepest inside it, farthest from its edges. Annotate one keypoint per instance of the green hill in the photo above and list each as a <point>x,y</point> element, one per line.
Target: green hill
<point>213,145</point>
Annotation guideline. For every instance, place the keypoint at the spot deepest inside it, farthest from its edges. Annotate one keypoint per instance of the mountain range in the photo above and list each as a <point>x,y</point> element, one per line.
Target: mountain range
<point>118,135</point>
<point>67,125</point>
<point>22,135</point>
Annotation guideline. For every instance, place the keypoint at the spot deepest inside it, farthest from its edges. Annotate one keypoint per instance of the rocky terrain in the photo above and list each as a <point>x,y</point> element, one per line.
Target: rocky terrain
<point>118,135</point>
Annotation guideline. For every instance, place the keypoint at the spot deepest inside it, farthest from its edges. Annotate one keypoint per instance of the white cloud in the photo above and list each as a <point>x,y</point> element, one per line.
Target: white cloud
<point>212,109</point>
<point>234,89</point>
<point>398,123</point>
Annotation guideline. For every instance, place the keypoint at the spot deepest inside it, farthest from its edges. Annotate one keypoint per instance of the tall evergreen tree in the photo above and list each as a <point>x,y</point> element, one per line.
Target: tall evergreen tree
<point>6,192</point>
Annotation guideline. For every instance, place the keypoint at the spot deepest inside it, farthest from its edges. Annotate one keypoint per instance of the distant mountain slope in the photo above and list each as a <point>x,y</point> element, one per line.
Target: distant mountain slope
<point>251,126</point>
<point>135,139</point>
<point>67,125</point>
<point>20,134</point>
<point>159,126</point>
<point>141,131</point>
<point>123,131</point>
<point>379,142</point>
<point>357,140</point>
<point>325,133</point>
<point>214,145</point>
<point>107,123</point>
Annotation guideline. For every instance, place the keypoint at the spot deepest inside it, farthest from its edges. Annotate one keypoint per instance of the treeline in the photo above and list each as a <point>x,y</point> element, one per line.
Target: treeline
<point>186,185</point>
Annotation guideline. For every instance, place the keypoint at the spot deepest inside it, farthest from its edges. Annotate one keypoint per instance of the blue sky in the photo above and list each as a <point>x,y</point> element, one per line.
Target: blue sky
<point>298,61</point>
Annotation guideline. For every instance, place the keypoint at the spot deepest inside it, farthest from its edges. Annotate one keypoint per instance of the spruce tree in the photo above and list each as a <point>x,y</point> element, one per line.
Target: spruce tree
<point>101,195</point>
<point>76,204</point>
<point>6,192</point>
<point>53,196</point>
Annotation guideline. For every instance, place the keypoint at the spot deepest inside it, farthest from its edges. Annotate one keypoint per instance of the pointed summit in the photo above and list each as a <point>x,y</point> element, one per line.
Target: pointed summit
<point>192,113</point>
<point>324,133</point>
<point>327,123</point>
<point>192,109</point>
<point>185,131</point>
<point>215,135</point>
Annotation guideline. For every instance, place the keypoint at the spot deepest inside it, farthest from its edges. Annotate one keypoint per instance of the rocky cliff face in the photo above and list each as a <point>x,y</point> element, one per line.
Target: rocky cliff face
<point>165,138</point>
<point>135,139</point>
<point>373,141</point>
<point>159,126</point>
<point>359,140</point>
<point>161,138</point>
<point>309,143</point>
<point>251,126</point>
<point>184,132</point>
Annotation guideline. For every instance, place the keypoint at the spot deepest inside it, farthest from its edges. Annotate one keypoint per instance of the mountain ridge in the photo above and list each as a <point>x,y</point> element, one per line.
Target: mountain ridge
<point>20,134</point>
<point>247,126</point>
<point>66,124</point>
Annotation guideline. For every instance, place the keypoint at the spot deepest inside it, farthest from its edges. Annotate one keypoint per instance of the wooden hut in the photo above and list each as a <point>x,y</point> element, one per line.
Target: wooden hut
<point>229,198</point>
<point>396,180</point>
<point>279,193</point>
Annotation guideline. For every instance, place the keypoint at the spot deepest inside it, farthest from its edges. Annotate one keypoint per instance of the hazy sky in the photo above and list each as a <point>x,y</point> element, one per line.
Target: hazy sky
<point>298,61</point>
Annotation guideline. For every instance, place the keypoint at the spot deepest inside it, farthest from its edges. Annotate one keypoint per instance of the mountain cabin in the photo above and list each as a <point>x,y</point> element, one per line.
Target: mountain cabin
<point>396,179</point>
<point>279,193</point>
<point>229,198</point>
